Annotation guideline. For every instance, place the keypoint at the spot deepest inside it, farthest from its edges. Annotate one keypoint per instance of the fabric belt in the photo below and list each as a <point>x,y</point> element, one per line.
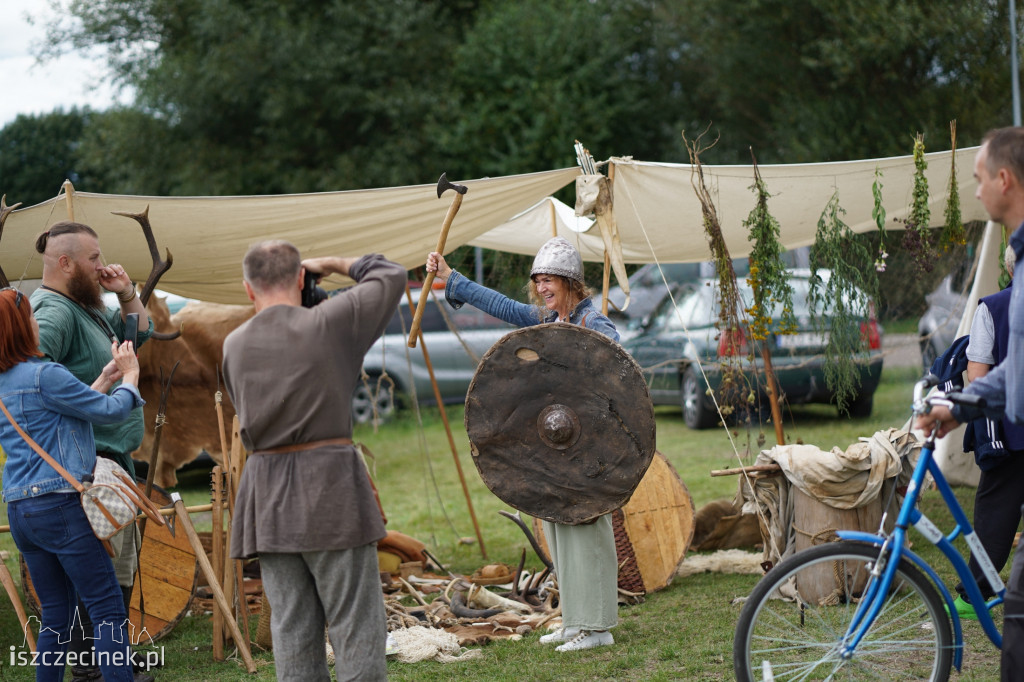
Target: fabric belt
<point>300,447</point>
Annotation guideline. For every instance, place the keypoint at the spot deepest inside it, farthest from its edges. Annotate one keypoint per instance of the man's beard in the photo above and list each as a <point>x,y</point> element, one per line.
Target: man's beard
<point>84,289</point>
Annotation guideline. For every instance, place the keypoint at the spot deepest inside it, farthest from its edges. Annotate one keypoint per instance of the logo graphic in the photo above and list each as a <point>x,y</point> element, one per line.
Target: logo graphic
<point>146,657</point>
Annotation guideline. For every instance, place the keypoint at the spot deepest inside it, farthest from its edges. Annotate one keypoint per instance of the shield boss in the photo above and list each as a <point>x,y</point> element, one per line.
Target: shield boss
<point>560,422</point>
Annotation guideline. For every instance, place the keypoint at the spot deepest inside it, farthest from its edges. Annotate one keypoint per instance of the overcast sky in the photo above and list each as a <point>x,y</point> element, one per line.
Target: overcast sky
<point>28,88</point>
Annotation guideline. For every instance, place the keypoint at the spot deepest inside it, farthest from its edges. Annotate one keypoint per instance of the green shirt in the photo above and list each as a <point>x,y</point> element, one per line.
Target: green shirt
<point>68,334</point>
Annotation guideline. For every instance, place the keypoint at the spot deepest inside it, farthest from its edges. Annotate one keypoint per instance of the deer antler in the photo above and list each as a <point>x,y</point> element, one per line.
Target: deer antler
<point>5,211</point>
<point>159,266</point>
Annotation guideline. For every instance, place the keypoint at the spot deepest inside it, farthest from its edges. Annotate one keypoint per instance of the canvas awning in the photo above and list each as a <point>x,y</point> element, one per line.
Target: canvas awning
<point>655,207</point>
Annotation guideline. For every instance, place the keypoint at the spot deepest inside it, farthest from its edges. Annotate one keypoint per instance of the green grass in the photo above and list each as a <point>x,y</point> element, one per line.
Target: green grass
<point>683,632</point>
<point>904,326</point>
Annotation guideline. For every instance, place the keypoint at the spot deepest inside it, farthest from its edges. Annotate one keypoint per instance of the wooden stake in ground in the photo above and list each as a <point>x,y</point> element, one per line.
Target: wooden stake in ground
<point>211,579</point>
<point>217,477</point>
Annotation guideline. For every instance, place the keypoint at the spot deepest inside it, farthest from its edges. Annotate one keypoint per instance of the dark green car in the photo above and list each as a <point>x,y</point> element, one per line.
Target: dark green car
<point>680,339</point>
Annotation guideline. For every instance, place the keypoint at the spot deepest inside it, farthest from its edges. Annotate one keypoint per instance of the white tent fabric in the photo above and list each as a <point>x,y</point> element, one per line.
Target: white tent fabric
<point>659,217</point>
<point>957,466</point>
<point>655,208</point>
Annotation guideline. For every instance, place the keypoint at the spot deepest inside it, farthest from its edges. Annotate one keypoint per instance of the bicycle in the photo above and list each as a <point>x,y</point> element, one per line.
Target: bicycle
<point>884,617</point>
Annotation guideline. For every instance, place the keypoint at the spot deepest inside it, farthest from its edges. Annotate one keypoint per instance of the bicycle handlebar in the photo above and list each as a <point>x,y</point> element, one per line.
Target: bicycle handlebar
<point>923,405</point>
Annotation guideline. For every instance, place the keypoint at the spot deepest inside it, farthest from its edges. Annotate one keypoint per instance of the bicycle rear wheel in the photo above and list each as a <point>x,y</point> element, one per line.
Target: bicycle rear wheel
<point>798,637</point>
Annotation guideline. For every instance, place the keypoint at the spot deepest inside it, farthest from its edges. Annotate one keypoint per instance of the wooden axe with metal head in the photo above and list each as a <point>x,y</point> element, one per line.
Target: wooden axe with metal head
<point>443,184</point>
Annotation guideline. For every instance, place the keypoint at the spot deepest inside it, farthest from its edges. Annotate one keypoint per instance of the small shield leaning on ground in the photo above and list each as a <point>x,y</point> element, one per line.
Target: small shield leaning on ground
<point>560,422</point>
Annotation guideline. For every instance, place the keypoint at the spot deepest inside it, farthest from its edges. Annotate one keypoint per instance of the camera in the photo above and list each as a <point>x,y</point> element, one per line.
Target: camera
<point>312,294</point>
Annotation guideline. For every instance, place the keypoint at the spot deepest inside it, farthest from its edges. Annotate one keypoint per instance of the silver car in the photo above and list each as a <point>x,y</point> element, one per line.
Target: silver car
<point>454,340</point>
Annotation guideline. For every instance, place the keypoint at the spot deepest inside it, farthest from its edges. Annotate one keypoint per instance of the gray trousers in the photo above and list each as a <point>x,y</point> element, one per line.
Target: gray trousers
<point>339,589</point>
<point>588,570</point>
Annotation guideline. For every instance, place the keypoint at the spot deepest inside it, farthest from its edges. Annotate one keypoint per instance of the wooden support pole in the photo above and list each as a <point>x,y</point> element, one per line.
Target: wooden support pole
<point>194,509</point>
<point>218,558</point>
<point>207,569</point>
<point>69,195</point>
<point>8,580</point>
<point>447,428</point>
<point>773,394</point>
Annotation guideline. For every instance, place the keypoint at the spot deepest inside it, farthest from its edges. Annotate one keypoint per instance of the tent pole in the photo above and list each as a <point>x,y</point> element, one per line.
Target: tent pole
<point>69,193</point>
<point>447,426</point>
<point>554,219</point>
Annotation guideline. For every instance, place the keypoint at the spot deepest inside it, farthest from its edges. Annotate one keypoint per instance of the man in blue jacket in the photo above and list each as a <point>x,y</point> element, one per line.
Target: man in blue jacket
<point>999,171</point>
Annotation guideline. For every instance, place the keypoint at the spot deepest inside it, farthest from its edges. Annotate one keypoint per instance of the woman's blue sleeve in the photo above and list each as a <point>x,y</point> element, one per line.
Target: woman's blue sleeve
<point>63,393</point>
<point>460,290</point>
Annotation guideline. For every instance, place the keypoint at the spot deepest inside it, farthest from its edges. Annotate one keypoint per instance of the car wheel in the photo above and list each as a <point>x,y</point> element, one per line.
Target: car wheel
<point>696,414</point>
<point>928,354</point>
<point>861,406</point>
<point>367,396</point>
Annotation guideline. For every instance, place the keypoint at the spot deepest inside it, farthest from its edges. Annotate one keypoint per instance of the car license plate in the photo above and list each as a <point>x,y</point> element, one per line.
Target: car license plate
<point>801,340</point>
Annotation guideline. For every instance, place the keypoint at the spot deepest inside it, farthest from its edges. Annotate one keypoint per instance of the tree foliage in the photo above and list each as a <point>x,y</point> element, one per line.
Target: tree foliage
<point>821,80</point>
<point>271,96</point>
<point>38,153</point>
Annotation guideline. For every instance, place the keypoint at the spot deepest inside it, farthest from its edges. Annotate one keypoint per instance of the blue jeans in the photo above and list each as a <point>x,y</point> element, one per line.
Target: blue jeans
<point>65,560</point>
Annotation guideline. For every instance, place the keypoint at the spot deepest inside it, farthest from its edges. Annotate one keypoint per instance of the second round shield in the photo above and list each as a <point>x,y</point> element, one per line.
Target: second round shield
<point>560,422</point>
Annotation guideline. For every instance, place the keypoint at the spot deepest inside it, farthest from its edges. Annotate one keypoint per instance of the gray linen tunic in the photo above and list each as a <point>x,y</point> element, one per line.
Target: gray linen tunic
<point>290,372</point>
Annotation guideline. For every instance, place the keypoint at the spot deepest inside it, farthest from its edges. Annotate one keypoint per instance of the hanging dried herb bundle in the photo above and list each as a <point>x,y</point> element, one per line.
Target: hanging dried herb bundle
<point>917,239</point>
<point>840,298</point>
<point>878,215</point>
<point>730,332</point>
<point>953,232</point>
<point>768,281</point>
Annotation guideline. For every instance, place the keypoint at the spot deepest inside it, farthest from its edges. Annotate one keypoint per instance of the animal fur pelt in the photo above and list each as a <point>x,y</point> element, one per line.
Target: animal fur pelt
<point>722,561</point>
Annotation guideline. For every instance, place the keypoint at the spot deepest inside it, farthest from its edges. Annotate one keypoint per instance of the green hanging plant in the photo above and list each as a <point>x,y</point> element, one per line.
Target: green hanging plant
<point>878,214</point>
<point>732,393</point>
<point>768,281</point>
<point>953,232</point>
<point>841,300</point>
<point>917,239</point>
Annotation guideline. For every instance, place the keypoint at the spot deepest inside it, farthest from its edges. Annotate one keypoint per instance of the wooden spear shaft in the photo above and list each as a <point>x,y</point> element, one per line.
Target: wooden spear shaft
<point>447,427</point>
<point>218,594</point>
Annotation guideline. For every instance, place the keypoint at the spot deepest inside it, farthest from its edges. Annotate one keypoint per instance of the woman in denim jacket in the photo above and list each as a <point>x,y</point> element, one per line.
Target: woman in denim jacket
<point>584,555</point>
<point>47,521</point>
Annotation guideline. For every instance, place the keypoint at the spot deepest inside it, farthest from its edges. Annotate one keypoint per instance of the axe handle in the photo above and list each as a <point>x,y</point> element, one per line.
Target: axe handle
<point>414,330</point>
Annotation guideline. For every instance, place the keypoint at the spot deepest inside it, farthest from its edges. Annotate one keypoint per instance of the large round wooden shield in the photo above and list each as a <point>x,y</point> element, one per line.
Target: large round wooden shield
<point>560,422</point>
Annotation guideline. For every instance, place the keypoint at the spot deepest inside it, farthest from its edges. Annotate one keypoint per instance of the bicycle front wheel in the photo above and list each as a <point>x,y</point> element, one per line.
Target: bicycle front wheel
<point>792,625</point>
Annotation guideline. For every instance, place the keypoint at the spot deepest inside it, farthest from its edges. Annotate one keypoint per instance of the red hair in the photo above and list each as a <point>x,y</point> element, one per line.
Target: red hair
<point>17,338</point>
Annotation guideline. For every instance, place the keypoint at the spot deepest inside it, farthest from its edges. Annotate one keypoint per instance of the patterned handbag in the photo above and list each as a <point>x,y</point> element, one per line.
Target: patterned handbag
<point>110,499</point>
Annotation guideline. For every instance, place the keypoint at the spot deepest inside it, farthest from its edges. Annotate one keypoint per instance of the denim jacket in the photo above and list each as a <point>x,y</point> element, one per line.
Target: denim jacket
<point>57,411</point>
<point>460,290</point>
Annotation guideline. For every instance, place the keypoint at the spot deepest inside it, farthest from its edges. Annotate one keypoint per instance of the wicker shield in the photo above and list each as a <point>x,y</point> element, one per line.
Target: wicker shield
<point>560,422</point>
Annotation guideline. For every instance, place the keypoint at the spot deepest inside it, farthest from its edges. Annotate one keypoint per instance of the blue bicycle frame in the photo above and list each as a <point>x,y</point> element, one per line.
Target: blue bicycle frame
<point>894,548</point>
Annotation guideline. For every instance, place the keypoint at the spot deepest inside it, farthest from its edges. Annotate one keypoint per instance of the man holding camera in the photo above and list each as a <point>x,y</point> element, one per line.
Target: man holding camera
<point>76,330</point>
<point>305,504</point>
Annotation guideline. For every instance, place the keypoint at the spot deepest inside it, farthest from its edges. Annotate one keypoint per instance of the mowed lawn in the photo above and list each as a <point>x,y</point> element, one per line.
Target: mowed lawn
<point>683,632</point>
